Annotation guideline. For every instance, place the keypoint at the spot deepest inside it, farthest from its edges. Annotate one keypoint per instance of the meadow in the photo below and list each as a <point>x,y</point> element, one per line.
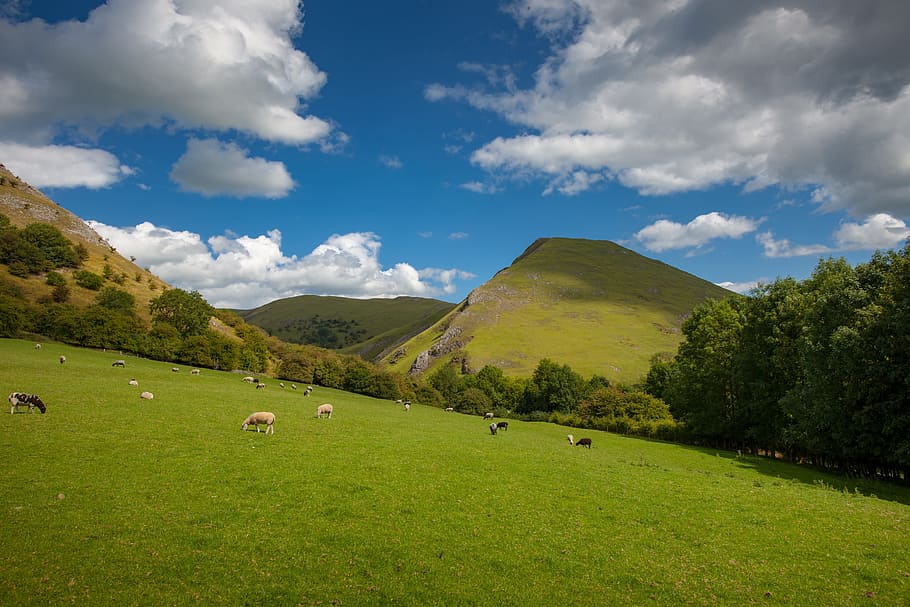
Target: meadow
<point>111,500</point>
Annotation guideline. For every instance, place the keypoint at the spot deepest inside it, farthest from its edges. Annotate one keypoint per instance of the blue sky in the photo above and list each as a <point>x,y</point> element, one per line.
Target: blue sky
<point>253,150</point>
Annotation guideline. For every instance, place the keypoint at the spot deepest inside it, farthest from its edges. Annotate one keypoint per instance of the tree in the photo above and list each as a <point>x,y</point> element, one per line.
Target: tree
<point>703,393</point>
<point>56,248</point>
<point>189,313</point>
<point>552,387</point>
<point>116,300</point>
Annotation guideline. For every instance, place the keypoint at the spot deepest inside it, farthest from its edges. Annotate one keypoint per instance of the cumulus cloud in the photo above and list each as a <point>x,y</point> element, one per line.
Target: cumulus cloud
<point>740,287</point>
<point>226,66</point>
<point>784,248</point>
<point>679,96</point>
<point>213,168</point>
<point>880,231</point>
<point>458,235</point>
<point>247,271</point>
<point>664,234</point>
<point>63,166</point>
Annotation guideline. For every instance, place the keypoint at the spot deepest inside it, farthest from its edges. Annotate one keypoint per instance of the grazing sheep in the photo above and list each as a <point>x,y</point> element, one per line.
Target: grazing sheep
<point>147,396</point>
<point>281,384</point>
<point>175,369</point>
<point>194,372</point>
<point>21,399</point>
<point>502,425</point>
<point>493,429</point>
<point>62,359</point>
<point>293,387</point>
<point>133,382</point>
<point>450,408</point>
<point>260,386</point>
<point>584,442</point>
<point>37,346</point>
<point>262,417</point>
<point>407,405</point>
<point>488,416</point>
<point>249,380</point>
<point>118,363</point>
<point>571,439</point>
<point>308,390</point>
<point>326,408</point>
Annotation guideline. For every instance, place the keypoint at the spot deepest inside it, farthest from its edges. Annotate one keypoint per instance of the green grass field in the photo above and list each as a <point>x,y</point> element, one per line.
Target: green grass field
<point>111,500</point>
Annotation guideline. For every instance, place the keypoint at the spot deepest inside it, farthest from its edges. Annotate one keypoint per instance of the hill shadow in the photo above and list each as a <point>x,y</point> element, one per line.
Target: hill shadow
<point>788,471</point>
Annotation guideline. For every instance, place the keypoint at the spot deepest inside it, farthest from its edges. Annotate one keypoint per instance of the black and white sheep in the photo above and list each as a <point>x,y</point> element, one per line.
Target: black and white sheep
<point>21,399</point>
<point>118,363</point>
<point>488,416</point>
<point>194,372</point>
<point>493,428</point>
<point>260,386</point>
<point>62,359</point>
<point>571,439</point>
<point>262,417</point>
<point>133,382</point>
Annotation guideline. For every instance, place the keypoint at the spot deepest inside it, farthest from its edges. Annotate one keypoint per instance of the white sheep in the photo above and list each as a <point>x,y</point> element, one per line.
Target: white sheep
<point>326,408</point>
<point>133,382</point>
<point>194,372</point>
<point>62,359</point>
<point>281,384</point>
<point>37,346</point>
<point>147,396</point>
<point>450,408</point>
<point>260,386</point>
<point>488,416</point>
<point>175,369</point>
<point>249,379</point>
<point>262,417</point>
<point>118,363</point>
<point>571,439</point>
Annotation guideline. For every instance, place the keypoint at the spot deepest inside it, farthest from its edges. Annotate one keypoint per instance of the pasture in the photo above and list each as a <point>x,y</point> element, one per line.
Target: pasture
<point>112,500</point>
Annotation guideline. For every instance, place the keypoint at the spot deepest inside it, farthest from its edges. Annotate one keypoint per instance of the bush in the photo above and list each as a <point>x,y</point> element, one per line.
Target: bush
<point>55,279</point>
<point>88,280</point>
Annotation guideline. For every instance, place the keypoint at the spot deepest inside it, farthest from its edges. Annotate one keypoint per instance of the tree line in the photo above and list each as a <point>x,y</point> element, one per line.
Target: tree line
<point>815,371</point>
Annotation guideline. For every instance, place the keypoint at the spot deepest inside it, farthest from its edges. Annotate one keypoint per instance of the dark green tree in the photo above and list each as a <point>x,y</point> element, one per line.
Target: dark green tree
<point>189,313</point>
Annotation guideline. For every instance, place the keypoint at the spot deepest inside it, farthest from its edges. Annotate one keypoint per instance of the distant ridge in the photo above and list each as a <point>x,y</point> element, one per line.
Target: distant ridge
<point>364,327</point>
<point>592,304</point>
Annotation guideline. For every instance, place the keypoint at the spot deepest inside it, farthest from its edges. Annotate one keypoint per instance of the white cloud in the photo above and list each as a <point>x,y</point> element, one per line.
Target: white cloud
<point>458,235</point>
<point>479,187</point>
<point>880,231</point>
<point>248,271</point>
<point>392,162</point>
<point>784,248</point>
<point>220,66</point>
<point>573,183</point>
<point>213,168</point>
<point>664,234</point>
<point>685,95</point>
<point>740,287</point>
<point>63,166</point>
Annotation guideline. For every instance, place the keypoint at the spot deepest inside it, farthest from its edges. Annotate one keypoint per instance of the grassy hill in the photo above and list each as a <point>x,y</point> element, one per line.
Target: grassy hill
<point>110,500</point>
<point>23,205</point>
<point>354,326</point>
<point>594,305</point>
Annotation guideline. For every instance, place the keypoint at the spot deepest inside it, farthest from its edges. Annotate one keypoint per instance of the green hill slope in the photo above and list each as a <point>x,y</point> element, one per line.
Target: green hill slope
<point>354,326</point>
<point>594,305</point>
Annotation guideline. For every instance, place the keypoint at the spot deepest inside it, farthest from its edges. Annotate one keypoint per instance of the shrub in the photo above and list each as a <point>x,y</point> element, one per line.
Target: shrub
<point>88,280</point>
<point>55,279</point>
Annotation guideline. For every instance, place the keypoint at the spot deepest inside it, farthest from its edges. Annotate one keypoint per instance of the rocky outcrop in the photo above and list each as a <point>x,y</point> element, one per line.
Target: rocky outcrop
<point>450,341</point>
